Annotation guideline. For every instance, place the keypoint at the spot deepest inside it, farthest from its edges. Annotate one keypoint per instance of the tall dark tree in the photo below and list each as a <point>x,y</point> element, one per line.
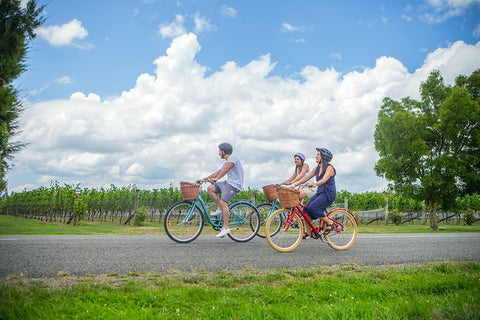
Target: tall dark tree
<point>430,149</point>
<point>17,29</point>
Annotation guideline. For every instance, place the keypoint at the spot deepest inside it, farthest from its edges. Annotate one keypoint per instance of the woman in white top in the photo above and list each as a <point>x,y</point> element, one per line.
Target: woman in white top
<point>301,170</point>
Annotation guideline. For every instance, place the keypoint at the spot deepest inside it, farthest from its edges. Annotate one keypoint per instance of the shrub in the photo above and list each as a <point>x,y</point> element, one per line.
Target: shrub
<point>140,215</point>
<point>396,216</point>
<point>79,209</point>
<point>469,216</point>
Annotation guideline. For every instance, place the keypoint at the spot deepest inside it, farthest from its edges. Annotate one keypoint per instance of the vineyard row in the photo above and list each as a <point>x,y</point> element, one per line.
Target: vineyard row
<point>118,204</point>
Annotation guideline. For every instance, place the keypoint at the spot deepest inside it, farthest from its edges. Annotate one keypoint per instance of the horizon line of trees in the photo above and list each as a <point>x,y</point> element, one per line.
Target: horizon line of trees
<point>118,204</point>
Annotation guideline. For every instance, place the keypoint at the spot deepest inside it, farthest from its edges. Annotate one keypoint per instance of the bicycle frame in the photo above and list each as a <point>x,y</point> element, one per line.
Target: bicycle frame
<point>275,206</point>
<point>203,209</point>
<point>321,225</point>
<point>215,222</point>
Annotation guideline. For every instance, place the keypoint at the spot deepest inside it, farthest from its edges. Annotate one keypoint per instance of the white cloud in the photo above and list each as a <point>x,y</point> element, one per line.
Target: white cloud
<point>173,29</point>
<point>202,24</point>
<point>176,28</point>
<point>476,32</point>
<point>64,80</point>
<point>80,96</point>
<point>229,11</point>
<point>63,35</point>
<point>167,127</point>
<point>446,9</point>
<point>287,27</point>
<point>336,56</point>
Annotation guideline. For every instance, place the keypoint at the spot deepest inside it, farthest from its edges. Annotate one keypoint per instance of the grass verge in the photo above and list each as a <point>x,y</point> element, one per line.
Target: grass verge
<point>447,290</point>
<point>10,225</point>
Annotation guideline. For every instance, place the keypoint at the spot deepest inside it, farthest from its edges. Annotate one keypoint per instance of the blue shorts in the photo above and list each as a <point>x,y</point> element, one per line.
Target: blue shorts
<point>227,191</point>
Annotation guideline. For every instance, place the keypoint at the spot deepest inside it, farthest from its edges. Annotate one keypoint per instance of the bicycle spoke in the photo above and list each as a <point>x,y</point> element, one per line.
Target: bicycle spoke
<point>290,230</point>
<point>243,222</point>
<point>264,211</point>
<point>344,231</point>
<point>183,222</point>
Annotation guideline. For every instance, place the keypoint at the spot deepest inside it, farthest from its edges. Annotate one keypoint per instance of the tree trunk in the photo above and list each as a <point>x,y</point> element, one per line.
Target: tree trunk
<point>433,214</point>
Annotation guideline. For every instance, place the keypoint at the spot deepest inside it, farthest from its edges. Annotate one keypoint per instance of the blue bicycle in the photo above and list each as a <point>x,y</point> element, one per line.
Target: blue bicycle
<point>184,221</point>
<point>267,208</point>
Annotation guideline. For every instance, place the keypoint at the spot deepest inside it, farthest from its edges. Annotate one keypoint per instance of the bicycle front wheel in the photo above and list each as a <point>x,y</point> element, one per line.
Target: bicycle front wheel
<point>183,221</point>
<point>243,222</point>
<point>264,210</point>
<point>290,231</point>
<point>345,230</point>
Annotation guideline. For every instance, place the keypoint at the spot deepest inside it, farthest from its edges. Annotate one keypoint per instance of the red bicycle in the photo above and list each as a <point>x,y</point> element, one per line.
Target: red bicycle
<point>285,227</point>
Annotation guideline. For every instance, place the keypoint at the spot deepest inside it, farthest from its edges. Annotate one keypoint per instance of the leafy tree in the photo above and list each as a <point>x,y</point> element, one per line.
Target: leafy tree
<point>17,29</point>
<point>430,149</point>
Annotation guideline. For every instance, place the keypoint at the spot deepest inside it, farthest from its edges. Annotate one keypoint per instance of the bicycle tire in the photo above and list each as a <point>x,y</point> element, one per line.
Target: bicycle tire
<point>264,210</point>
<point>177,228</point>
<point>243,222</point>
<point>342,239</point>
<point>290,234</point>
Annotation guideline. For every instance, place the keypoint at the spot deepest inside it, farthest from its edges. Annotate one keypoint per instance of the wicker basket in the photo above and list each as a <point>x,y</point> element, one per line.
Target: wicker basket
<point>270,192</point>
<point>189,190</point>
<point>289,197</point>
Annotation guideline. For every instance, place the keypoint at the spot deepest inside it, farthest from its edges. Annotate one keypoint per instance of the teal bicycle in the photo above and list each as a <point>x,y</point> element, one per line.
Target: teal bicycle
<point>184,221</point>
<point>267,208</point>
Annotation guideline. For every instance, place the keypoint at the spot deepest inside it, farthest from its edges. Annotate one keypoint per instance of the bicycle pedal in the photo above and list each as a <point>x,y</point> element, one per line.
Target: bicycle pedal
<point>323,239</point>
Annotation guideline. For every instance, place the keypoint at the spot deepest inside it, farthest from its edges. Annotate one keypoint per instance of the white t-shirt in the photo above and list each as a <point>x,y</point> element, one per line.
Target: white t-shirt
<point>235,175</point>
<point>308,171</point>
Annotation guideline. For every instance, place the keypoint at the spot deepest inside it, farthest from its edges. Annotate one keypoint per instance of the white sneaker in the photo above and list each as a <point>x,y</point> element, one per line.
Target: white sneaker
<point>223,233</point>
<point>216,213</point>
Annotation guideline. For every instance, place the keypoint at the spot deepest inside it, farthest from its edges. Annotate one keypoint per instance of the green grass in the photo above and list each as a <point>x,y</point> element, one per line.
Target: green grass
<point>418,227</point>
<point>10,225</point>
<point>448,290</point>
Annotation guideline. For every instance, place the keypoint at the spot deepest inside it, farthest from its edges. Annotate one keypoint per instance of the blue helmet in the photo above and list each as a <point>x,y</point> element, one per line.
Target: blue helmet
<point>226,147</point>
<point>300,155</point>
<point>327,156</point>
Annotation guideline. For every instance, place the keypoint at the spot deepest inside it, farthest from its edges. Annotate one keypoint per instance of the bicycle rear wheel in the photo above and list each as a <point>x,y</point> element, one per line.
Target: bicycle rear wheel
<point>183,222</point>
<point>243,222</point>
<point>342,238</point>
<point>289,234</point>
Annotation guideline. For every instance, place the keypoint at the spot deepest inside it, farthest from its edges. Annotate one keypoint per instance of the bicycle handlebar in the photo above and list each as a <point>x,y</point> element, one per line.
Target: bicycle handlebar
<point>290,186</point>
<point>202,181</point>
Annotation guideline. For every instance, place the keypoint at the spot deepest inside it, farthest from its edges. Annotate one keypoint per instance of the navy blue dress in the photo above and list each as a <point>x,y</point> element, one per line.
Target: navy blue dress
<point>325,196</point>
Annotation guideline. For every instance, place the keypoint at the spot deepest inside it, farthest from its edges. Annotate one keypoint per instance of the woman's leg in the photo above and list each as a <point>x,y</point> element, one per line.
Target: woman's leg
<point>302,195</point>
<point>317,207</point>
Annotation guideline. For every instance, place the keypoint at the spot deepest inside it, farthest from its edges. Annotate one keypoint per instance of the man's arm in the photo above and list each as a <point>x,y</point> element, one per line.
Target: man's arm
<point>212,175</point>
<point>220,173</point>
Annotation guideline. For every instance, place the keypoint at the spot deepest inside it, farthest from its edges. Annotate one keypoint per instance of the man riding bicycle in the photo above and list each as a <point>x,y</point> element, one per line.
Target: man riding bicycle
<point>233,169</point>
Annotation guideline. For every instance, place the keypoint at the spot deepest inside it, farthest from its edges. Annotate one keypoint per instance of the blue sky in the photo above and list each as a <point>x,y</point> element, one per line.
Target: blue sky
<point>123,37</point>
<point>107,79</point>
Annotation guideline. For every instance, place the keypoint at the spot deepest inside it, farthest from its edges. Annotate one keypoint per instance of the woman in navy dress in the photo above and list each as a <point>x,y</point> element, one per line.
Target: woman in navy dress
<point>326,191</point>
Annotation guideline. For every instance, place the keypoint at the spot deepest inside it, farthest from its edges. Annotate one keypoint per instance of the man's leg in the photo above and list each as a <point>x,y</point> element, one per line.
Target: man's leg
<point>212,192</point>
<point>222,205</point>
<point>225,212</point>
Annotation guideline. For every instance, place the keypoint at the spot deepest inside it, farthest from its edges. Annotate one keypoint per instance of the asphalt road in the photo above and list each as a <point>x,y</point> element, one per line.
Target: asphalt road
<point>45,256</point>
